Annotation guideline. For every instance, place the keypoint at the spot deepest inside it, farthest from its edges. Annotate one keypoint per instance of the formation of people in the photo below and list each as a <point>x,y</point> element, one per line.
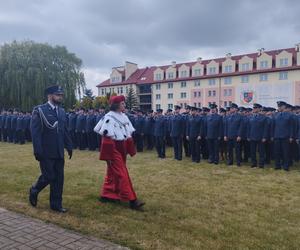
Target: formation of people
<point>238,135</point>
<point>258,135</point>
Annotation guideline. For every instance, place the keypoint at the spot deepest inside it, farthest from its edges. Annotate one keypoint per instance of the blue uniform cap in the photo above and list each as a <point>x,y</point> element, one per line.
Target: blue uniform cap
<point>54,90</point>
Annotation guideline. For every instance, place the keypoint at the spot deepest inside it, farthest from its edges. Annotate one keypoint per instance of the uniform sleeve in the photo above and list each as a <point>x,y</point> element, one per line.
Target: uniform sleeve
<point>36,127</point>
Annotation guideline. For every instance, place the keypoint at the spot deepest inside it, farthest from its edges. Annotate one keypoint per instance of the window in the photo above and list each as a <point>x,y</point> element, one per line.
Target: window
<point>126,90</point>
<point>263,77</point>
<point>209,93</point>
<point>170,85</point>
<point>227,92</point>
<point>170,106</point>
<point>213,93</point>
<point>157,106</point>
<point>183,84</point>
<point>197,72</point>
<point>212,82</point>
<point>185,105</point>
<point>157,96</point>
<point>225,104</point>
<point>170,75</point>
<point>157,86</point>
<point>199,104</point>
<point>245,67</point>
<point>197,83</point>
<point>229,103</point>
<point>283,75</point>
<point>158,77</point>
<point>170,95</point>
<point>195,104</point>
<point>121,90</point>
<point>197,94</point>
<point>284,62</point>
<point>227,80</point>
<point>244,79</point>
<point>183,73</point>
<point>228,69</point>
<point>115,79</point>
<point>183,95</point>
<point>264,64</point>
<point>102,91</point>
<point>212,70</point>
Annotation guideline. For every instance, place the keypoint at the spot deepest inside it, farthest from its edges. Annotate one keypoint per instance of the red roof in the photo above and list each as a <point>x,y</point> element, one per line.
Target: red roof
<point>145,75</point>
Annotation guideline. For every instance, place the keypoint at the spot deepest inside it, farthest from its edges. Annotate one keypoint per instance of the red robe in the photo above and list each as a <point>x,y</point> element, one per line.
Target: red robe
<point>117,183</point>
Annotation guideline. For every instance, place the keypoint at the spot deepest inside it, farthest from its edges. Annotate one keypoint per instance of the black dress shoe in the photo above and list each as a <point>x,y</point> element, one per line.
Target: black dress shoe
<point>137,205</point>
<point>33,197</point>
<point>60,210</point>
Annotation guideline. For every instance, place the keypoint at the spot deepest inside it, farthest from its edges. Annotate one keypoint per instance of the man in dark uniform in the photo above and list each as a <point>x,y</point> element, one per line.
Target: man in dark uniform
<point>149,130</point>
<point>168,117</point>
<point>50,136</point>
<point>203,141</point>
<point>186,144</point>
<point>214,131</point>
<point>283,132</point>
<point>1,123</point>
<point>91,135</point>
<point>20,128</point>
<point>257,135</point>
<point>27,120</point>
<point>160,126</point>
<point>7,126</point>
<point>14,126</point>
<point>232,134</point>
<point>176,132</point>
<point>139,124</point>
<point>223,148</point>
<point>194,129</point>
<point>72,127</point>
<point>80,129</point>
<point>4,130</point>
<point>244,144</point>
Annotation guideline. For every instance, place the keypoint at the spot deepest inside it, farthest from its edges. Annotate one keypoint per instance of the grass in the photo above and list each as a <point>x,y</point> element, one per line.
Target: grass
<point>189,206</point>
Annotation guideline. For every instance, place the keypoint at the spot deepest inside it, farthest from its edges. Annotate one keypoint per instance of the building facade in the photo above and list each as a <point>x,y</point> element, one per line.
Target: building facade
<point>264,77</point>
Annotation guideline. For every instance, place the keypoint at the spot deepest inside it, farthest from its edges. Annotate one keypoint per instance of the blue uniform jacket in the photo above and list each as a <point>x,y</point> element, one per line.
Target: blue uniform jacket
<point>48,142</point>
<point>214,126</point>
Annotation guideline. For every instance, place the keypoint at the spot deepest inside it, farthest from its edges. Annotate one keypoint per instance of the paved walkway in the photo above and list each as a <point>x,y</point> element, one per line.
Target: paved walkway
<point>21,232</point>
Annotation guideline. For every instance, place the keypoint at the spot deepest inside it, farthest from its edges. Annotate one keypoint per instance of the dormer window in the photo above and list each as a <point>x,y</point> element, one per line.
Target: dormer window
<point>284,62</point>
<point>245,67</point>
<point>228,69</point>
<point>170,75</point>
<point>264,64</point>
<point>212,70</point>
<point>183,73</point>
<point>158,77</point>
<point>115,79</point>
<point>143,78</point>
<point>197,72</point>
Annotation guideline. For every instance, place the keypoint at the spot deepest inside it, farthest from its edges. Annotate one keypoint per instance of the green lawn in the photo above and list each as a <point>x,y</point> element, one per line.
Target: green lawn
<point>189,206</point>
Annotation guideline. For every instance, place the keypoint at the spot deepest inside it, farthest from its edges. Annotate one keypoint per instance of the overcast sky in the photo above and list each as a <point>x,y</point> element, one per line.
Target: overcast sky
<point>106,33</point>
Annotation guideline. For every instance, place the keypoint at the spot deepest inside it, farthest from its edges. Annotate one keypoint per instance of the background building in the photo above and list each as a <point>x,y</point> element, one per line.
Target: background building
<point>264,77</point>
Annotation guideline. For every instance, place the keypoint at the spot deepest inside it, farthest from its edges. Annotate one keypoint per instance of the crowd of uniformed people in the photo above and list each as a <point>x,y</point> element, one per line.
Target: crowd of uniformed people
<point>235,135</point>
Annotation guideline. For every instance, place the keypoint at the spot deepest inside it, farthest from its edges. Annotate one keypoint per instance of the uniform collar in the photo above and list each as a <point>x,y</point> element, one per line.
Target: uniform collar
<point>51,105</point>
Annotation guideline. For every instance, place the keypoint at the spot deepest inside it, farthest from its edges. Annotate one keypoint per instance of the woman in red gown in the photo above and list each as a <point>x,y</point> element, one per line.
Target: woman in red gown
<point>116,131</point>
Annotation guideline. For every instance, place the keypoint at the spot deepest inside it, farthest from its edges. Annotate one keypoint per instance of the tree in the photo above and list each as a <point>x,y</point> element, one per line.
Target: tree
<point>89,94</point>
<point>131,99</point>
<point>27,68</point>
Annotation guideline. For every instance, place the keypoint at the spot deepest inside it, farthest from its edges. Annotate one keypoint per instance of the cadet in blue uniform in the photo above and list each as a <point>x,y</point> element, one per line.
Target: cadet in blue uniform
<point>257,135</point>
<point>89,128</point>
<point>203,141</point>
<point>160,126</point>
<point>244,144</point>
<point>72,127</point>
<point>283,132</point>
<point>139,124</point>
<point>13,126</point>
<point>50,136</point>
<point>149,130</point>
<point>232,134</point>
<point>194,128</point>
<point>1,123</point>
<point>186,144</point>
<point>7,126</point>
<point>80,129</point>
<point>223,148</point>
<point>20,129</point>
<point>176,132</point>
<point>214,132</point>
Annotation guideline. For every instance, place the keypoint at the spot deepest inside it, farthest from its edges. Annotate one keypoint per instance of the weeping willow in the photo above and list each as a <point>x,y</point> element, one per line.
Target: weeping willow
<point>27,68</point>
